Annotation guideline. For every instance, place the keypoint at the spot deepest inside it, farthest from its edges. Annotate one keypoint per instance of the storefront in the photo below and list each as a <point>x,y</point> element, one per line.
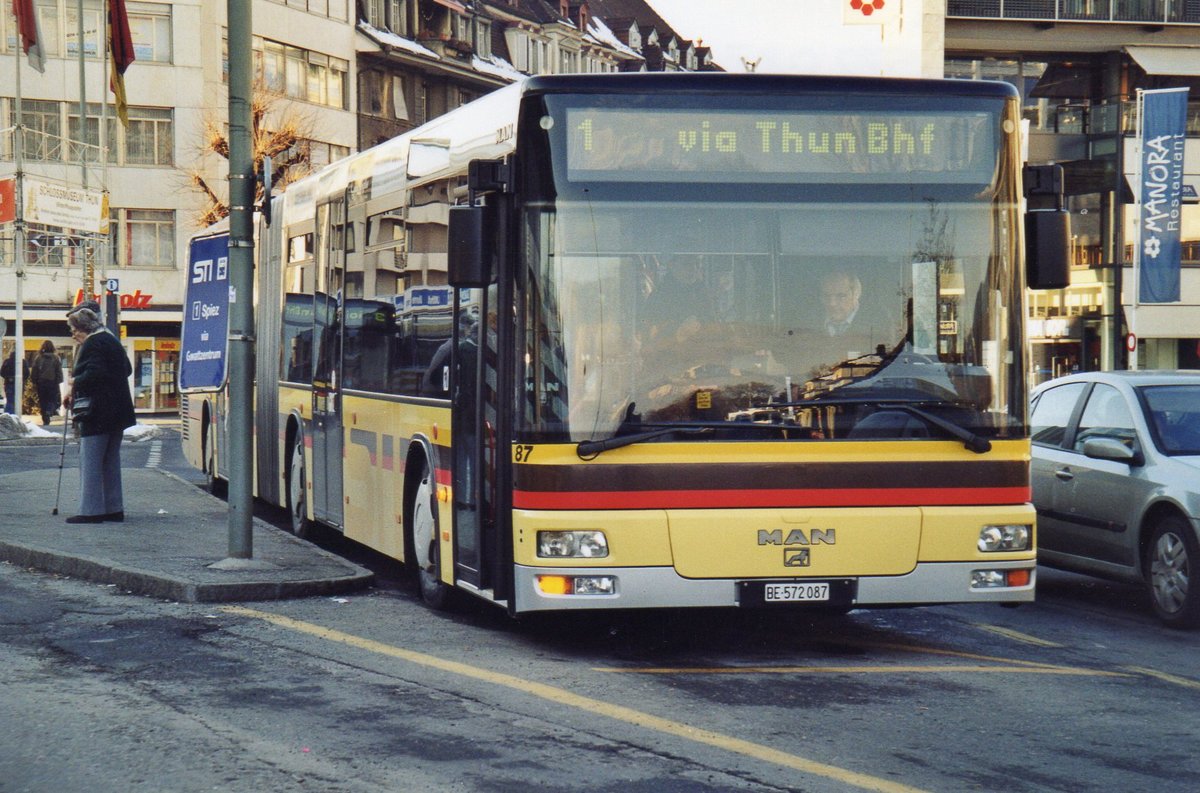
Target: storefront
<point>150,337</point>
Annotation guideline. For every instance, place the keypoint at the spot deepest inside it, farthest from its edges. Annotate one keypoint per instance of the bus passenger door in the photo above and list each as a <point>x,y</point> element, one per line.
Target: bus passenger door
<point>473,432</point>
<point>327,373</point>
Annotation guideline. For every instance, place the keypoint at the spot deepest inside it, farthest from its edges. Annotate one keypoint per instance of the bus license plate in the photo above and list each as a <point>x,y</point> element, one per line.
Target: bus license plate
<point>794,593</point>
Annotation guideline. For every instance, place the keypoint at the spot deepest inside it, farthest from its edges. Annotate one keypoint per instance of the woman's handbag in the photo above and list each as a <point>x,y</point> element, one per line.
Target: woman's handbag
<point>81,407</point>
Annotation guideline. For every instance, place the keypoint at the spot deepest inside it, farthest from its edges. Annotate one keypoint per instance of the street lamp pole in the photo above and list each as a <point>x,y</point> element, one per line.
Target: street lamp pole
<point>241,297</point>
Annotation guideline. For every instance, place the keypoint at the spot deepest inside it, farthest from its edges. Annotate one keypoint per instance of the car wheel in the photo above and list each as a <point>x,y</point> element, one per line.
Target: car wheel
<point>297,498</point>
<point>1173,562</point>
<point>426,548</point>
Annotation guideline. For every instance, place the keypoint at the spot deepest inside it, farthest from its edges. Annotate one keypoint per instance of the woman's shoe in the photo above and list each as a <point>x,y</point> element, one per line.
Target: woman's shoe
<point>86,519</point>
<point>114,517</point>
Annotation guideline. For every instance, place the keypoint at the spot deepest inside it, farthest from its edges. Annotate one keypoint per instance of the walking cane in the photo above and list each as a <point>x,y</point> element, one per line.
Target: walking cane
<point>62,453</point>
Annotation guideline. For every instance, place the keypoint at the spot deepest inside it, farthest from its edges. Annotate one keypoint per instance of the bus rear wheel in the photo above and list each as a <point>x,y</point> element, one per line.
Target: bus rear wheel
<point>297,500</point>
<point>426,549</point>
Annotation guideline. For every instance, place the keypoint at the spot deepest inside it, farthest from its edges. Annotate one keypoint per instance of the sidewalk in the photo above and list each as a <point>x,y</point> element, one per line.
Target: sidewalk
<point>172,535</point>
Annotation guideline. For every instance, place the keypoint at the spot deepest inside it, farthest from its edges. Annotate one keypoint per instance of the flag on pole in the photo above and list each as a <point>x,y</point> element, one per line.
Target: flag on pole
<point>1164,132</point>
<point>30,30</point>
<point>870,12</point>
<point>120,48</point>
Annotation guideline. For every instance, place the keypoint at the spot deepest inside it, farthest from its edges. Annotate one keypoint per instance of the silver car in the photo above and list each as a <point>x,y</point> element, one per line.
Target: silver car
<point>1116,481</point>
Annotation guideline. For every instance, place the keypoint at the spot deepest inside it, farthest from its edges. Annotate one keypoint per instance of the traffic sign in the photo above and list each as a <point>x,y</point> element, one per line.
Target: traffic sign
<point>205,336</point>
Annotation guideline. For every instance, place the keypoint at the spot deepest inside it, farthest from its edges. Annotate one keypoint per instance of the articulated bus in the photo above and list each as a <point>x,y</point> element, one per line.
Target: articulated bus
<point>579,345</point>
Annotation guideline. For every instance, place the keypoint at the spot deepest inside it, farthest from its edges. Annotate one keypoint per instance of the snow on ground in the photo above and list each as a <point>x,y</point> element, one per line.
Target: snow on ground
<point>25,427</point>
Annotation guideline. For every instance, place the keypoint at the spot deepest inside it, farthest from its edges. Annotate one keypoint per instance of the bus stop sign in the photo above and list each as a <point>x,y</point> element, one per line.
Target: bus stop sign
<point>205,339</point>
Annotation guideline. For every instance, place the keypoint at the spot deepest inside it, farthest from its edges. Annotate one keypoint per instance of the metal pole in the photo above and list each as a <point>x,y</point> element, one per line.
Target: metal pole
<point>19,241</point>
<point>1132,360</point>
<point>241,267</point>
<point>88,283</point>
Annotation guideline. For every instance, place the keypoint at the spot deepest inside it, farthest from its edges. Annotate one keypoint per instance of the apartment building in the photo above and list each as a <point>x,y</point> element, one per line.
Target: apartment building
<point>340,75</point>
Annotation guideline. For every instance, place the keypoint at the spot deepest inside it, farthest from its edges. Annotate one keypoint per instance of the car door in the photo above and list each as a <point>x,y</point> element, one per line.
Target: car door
<point>1049,421</point>
<point>1100,512</point>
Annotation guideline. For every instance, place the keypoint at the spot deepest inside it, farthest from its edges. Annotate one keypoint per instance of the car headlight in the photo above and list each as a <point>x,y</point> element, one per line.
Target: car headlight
<point>1005,537</point>
<point>572,544</point>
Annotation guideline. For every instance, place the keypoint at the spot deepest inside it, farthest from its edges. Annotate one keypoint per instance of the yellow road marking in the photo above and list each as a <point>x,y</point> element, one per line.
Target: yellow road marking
<point>595,706</point>
<point>1179,681</point>
<point>1039,669</point>
<point>1009,633</point>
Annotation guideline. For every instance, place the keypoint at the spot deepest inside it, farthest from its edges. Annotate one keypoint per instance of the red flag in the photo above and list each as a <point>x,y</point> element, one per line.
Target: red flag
<point>30,31</point>
<point>120,47</point>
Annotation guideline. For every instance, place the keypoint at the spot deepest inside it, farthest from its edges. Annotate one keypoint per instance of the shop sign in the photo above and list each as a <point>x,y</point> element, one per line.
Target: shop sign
<point>8,200</point>
<point>67,207</point>
<point>134,299</point>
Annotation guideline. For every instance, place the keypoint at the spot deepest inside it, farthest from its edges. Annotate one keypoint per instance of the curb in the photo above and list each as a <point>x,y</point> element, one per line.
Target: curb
<point>157,585</point>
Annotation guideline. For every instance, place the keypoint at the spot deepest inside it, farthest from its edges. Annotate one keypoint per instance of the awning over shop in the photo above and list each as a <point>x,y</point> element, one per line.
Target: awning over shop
<point>1174,61</point>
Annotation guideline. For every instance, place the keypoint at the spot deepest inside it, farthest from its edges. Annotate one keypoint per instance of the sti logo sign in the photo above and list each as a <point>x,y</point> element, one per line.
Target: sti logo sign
<point>205,339</point>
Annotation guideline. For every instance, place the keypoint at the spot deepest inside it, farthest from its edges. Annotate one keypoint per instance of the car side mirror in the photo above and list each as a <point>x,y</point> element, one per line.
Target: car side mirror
<point>1111,449</point>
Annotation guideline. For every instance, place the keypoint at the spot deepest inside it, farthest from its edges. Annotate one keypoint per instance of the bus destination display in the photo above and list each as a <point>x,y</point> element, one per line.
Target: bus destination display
<point>626,145</point>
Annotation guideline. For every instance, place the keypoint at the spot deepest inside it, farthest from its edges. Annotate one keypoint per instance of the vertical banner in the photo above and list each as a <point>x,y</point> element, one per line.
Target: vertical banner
<point>1164,121</point>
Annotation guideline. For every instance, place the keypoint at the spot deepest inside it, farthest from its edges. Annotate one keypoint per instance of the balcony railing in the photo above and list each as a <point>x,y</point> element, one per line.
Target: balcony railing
<point>1158,12</point>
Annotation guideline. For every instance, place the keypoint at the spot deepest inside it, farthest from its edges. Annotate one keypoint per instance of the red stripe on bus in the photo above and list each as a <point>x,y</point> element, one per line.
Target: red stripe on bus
<point>717,499</point>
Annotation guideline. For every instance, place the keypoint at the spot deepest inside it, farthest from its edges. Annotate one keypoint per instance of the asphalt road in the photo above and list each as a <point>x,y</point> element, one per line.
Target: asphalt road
<point>1082,690</point>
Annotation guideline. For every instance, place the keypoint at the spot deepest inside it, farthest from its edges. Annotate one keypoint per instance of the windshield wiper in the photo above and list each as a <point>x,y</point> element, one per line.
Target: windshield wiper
<point>975,443</point>
<point>589,449</point>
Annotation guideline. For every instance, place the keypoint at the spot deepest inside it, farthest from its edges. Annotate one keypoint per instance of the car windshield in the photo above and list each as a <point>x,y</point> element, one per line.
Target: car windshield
<point>1174,414</point>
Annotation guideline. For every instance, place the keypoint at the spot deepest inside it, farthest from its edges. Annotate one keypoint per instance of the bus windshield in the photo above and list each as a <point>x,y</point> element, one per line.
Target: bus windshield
<point>666,300</point>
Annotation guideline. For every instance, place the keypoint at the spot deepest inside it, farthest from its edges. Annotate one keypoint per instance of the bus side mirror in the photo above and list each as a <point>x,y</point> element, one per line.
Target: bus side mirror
<point>1047,249</point>
<point>469,248</point>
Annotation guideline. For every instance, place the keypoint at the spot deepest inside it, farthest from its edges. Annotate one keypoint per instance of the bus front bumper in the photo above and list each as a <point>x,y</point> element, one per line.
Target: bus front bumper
<point>542,589</point>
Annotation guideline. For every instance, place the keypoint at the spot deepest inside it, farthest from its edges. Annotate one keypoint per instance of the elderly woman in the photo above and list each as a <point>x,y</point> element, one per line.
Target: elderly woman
<point>101,372</point>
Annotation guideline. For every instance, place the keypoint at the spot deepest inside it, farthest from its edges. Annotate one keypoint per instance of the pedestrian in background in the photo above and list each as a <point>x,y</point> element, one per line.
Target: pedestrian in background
<point>8,371</point>
<point>46,374</point>
<point>101,373</point>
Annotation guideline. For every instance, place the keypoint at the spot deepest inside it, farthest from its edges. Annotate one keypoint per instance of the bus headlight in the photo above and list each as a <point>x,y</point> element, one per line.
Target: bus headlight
<point>572,544</point>
<point>1005,537</point>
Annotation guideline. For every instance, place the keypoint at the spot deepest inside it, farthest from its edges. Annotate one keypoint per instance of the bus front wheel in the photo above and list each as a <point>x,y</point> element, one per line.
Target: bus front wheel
<point>297,500</point>
<point>426,548</point>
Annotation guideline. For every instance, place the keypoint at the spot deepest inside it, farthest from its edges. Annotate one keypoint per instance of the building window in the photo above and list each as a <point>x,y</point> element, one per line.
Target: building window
<point>300,74</point>
<point>150,30</point>
<point>149,139</point>
<point>483,38</point>
<point>397,19</point>
<point>374,12</point>
<point>149,27</point>
<point>43,129</point>
<point>399,98</point>
<point>334,9</point>
<point>143,238</point>
<point>93,28</point>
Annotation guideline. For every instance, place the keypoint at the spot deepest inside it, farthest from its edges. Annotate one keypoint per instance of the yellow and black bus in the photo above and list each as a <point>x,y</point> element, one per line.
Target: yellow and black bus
<point>632,341</point>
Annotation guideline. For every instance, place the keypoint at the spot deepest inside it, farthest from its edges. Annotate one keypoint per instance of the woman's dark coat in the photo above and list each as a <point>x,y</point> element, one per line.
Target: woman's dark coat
<point>102,372</point>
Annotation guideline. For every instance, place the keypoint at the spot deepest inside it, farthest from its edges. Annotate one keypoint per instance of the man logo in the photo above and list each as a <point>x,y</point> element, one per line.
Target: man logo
<point>795,551</point>
<point>797,537</point>
<point>795,557</point>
